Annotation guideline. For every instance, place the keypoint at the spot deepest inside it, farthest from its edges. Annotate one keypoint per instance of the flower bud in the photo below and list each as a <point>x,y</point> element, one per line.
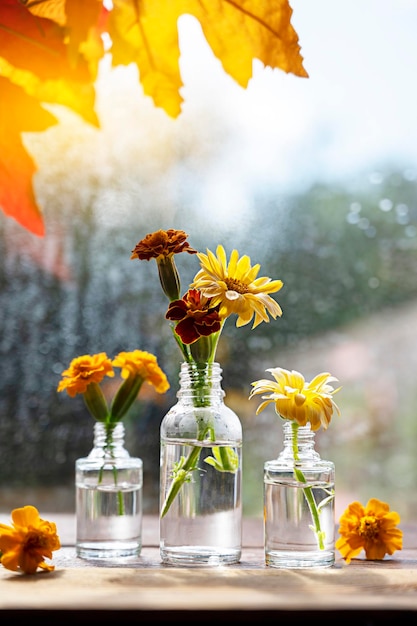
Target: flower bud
<point>169,277</point>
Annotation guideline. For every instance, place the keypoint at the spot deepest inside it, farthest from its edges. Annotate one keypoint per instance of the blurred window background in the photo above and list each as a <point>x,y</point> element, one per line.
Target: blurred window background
<point>315,179</point>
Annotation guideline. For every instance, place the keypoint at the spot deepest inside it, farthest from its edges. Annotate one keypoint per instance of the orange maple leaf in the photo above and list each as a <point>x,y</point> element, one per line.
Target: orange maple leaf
<point>37,44</point>
<point>36,53</point>
<point>35,63</point>
<point>19,113</point>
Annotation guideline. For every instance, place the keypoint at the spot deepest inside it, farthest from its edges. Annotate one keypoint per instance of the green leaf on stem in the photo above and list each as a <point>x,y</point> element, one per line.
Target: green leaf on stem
<point>224,459</point>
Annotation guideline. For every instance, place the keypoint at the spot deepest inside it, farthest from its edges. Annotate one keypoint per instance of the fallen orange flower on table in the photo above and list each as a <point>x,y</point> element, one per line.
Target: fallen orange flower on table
<point>25,544</point>
<point>371,528</point>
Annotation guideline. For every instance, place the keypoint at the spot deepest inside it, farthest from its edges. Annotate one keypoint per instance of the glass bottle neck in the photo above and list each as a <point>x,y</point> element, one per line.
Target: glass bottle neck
<point>200,383</point>
<point>109,441</point>
<point>298,443</point>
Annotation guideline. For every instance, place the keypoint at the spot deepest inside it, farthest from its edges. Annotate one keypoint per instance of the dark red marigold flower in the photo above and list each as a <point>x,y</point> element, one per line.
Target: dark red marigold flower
<point>194,316</point>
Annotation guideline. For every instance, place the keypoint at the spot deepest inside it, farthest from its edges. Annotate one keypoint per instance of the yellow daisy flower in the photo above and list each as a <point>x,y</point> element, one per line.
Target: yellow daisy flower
<point>371,528</point>
<point>25,544</point>
<point>297,400</point>
<point>235,287</point>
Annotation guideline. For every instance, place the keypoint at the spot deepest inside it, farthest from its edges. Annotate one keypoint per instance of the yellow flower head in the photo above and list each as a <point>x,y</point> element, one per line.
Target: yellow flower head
<point>144,365</point>
<point>25,544</point>
<point>371,528</point>
<point>84,370</point>
<point>297,400</point>
<point>235,287</point>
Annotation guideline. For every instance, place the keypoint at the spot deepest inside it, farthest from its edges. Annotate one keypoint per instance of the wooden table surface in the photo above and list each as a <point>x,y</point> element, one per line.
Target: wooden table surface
<point>370,592</point>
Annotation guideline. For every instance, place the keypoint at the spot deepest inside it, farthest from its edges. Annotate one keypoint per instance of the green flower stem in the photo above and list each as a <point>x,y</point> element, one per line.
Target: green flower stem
<point>182,477</point>
<point>169,277</point>
<point>224,454</point>
<point>108,446</point>
<point>109,442</point>
<point>97,405</point>
<point>124,398</point>
<point>120,503</point>
<point>182,346</point>
<point>96,402</point>
<point>308,493</point>
<point>200,388</point>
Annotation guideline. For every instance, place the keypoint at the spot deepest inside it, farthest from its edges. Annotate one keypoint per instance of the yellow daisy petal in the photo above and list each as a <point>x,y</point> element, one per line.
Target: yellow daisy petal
<point>297,400</point>
<point>235,288</point>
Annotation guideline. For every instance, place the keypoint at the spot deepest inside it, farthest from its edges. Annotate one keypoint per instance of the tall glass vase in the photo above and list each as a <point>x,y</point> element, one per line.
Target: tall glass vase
<point>108,498</point>
<point>299,519</point>
<point>200,473</point>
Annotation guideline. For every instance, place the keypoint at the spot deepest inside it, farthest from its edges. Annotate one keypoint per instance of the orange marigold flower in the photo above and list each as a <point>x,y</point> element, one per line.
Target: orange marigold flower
<point>84,370</point>
<point>371,528</point>
<point>142,364</point>
<point>162,243</point>
<point>25,544</point>
<point>195,317</point>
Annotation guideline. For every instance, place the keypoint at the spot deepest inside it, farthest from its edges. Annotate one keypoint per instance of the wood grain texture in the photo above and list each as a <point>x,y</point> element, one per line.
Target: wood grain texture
<point>142,586</point>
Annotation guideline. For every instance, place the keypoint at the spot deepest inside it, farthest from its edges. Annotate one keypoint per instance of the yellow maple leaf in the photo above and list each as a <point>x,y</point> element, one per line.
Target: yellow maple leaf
<point>50,50</point>
<point>243,30</point>
<point>147,35</point>
<point>238,32</point>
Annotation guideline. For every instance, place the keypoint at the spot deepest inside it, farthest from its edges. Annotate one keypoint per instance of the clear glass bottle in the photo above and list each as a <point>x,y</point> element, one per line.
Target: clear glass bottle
<point>108,498</point>
<point>299,523</point>
<point>200,473</point>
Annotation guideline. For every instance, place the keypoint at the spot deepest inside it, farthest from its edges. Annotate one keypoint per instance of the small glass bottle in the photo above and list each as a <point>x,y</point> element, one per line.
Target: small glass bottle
<point>299,524</point>
<point>200,473</point>
<point>108,498</point>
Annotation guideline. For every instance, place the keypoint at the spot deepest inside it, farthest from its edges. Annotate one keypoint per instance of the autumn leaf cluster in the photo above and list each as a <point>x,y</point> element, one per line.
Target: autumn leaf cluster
<point>50,51</point>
